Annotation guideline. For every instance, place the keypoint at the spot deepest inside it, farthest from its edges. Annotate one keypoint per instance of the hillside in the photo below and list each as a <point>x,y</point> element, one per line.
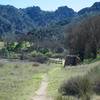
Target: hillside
<point>17,22</point>
<point>94,8</point>
<point>23,20</point>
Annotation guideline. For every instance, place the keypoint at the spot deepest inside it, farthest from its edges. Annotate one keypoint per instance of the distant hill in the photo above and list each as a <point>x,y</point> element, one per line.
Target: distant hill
<point>94,8</point>
<point>21,21</point>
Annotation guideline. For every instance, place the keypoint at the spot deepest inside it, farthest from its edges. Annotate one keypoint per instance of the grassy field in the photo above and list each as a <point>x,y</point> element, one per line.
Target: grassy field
<point>19,81</point>
<point>89,61</point>
<point>58,75</point>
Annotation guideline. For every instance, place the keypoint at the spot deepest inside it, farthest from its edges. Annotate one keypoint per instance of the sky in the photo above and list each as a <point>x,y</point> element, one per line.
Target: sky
<point>50,5</point>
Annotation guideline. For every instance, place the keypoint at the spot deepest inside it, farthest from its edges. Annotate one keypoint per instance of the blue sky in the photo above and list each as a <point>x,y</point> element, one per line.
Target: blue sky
<point>50,4</point>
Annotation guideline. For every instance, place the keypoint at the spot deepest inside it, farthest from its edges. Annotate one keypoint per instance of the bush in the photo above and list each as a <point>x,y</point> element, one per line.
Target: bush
<point>58,55</point>
<point>94,76</point>
<point>96,86</point>
<point>11,46</point>
<point>40,59</point>
<point>59,50</point>
<point>78,86</point>
<point>43,50</point>
<point>13,55</point>
<point>7,54</point>
<point>4,52</point>
<point>49,54</point>
<point>23,56</point>
<point>35,54</point>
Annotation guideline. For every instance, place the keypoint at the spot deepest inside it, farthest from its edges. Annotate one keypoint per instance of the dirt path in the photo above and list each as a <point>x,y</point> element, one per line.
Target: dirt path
<point>41,92</point>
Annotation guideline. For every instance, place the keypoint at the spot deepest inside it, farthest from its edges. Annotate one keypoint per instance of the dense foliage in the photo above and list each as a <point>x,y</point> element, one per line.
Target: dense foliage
<point>20,21</point>
<point>46,30</point>
<point>83,38</point>
<point>16,22</point>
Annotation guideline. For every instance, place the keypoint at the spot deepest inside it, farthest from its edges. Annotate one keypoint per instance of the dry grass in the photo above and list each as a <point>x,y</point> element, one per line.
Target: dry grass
<point>58,75</point>
<point>19,81</point>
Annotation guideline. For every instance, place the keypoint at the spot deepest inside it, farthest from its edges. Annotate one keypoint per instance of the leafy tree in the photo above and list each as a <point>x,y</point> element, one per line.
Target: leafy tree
<point>84,37</point>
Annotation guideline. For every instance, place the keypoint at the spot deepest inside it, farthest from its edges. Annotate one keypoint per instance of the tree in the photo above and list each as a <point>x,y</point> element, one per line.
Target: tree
<point>84,37</point>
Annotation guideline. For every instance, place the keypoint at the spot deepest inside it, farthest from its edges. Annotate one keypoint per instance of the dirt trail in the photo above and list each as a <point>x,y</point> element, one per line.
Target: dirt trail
<point>41,92</point>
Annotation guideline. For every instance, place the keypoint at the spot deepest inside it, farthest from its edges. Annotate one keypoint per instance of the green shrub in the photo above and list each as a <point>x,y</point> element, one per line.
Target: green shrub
<point>35,54</point>
<point>22,45</point>
<point>4,52</point>
<point>13,55</point>
<point>11,46</point>
<point>43,50</point>
<point>8,54</point>
<point>78,86</point>
<point>94,76</point>
<point>49,54</point>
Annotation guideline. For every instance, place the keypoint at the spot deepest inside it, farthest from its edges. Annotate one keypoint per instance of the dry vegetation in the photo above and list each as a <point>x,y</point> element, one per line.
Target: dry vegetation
<point>60,75</point>
<point>20,80</point>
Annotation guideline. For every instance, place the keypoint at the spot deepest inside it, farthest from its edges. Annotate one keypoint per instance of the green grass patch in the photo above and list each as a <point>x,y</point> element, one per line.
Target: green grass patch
<point>89,61</point>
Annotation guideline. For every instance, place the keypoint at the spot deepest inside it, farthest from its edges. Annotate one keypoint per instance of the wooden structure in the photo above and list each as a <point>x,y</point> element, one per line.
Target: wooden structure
<point>71,60</point>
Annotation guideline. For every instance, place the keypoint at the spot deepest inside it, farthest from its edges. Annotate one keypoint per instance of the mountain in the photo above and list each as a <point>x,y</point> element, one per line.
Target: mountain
<point>21,21</point>
<point>95,8</point>
<point>43,18</point>
<point>15,19</point>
